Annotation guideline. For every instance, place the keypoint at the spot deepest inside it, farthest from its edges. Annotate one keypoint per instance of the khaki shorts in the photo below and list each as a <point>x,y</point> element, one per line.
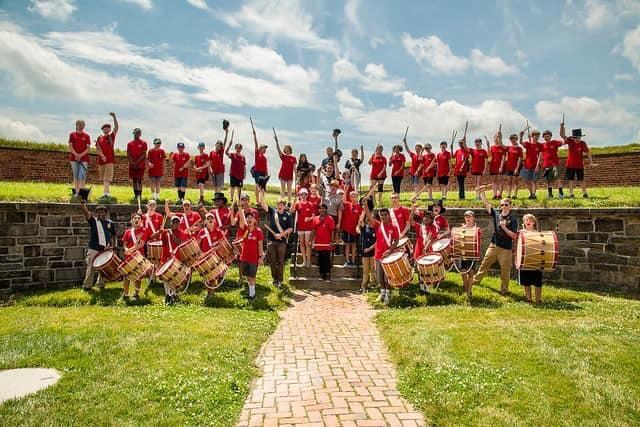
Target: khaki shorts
<point>105,172</point>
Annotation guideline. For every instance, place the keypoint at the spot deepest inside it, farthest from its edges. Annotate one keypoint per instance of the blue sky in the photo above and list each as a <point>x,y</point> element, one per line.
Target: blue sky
<point>176,68</point>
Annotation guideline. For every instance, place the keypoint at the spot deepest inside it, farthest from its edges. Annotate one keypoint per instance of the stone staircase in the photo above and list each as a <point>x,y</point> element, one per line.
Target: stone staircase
<point>342,278</point>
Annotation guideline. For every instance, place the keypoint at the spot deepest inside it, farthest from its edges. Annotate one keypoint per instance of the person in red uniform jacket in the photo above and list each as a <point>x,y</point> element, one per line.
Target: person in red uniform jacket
<point>479,163</point>
<point>461,167</point>
<point>137,156</point>
<point>351,211</point>
<point>378,165</point>
<point>171,239</point>
<point>152,221</point>
<point>287,170</point>
<point>497,153</point>
<point>216,161</point>
<point>386,242</point>
<point>237,170</point>
<point>512,165</point>
<point>133,241</point>
<point>252,254</point>
<point>417,164</point>
<point>304,209</point>
<point>397,161</point>
<point>426,233</point>
<point>156,158</point>
<point>574,166</point>
<point>190,221</point>
<point>180,161</point>
<point>551,163</point>
<point>202,165</point>
<point>323,226</point>
<point>220,212</point>
<point>531,166</point>
<point>443,159</point>
<point>399,215</point>
<point>79,145</point>
<point>106,156</point>
<point>260,170</point>
<point>209,235</point>
<point>438,209</point>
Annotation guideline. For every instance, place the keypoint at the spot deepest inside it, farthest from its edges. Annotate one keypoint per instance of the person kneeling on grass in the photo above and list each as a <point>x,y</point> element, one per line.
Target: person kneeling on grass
<point>252,254</point>
<point>133,241</point>
<point>528,278</point>
<point>102,235</point>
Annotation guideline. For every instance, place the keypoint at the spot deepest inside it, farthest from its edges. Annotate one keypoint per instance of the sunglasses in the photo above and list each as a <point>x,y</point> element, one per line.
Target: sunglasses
<point>504,204</point>
<point>209,219</point>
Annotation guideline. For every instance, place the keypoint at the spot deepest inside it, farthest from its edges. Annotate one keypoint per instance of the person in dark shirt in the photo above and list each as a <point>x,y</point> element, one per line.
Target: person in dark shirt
<point>505,228</point>
<point>102,235</point>
<point>353,166</point>
<point>279,225</point>
<point>366,247</point>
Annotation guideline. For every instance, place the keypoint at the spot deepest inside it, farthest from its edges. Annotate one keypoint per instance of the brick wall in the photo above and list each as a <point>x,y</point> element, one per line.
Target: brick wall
<point>42,245</point>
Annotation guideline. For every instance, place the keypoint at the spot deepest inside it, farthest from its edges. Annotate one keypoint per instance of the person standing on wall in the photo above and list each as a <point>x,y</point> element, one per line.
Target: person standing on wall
<point>202,166</point>
<point>137,156</point>
<point>512,166</point>
<point>79,145</point>
<point>574,167</point>
<point>551,163</point>
<point>443,159</point>
<point>415,169</point>
<point>461,167</point>
<point>378,165</point>
<point>216,161</point>
<point>180,162</point>
<point>287,169</point>
<point>156,158</point>
<point>531,167</point>
<point>397,161</point>
<point>479,163</point>
<point>106,158</point>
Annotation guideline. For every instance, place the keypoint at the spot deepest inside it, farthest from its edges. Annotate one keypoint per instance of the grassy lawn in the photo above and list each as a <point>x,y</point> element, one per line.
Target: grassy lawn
<point>599,197</point>
<point>572,360</point>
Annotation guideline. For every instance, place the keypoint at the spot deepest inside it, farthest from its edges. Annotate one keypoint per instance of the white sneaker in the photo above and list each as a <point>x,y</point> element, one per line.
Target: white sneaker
<point>380,297</point>
<point>427,289</point>
<point>386,299</point>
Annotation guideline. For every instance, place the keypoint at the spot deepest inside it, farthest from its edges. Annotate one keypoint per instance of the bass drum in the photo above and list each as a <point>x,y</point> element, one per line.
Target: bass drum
<point>537,250</point>
<point>466,243</point>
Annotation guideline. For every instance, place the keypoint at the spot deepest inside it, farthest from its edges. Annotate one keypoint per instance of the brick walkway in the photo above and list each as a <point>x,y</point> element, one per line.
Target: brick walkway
<point>326,365</point>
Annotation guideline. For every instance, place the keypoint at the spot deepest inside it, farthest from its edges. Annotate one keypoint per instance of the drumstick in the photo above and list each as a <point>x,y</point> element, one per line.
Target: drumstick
<point>528,130</point>
<point>405,133</point>
<point>466,126</point>
<point>274,133</point>
<point>252,128</point>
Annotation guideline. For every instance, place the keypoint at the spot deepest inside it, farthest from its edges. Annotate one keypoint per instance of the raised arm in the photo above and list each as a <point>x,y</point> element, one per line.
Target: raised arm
<point>85,211</point>
<point>228,147</point>
<point>406,146</point>
<point>277,144</point>
<point>483,197</point>
<point>412,222</point>
<point>116,127</point>
<point>362,152</point>
<point>167,211</point>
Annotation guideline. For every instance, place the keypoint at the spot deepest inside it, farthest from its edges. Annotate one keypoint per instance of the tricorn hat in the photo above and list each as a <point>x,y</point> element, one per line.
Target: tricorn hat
<point>220,196</point>
<point>437,203</point>
<point>225,124</point>
<point>336,132</point>
<point>577,133</point>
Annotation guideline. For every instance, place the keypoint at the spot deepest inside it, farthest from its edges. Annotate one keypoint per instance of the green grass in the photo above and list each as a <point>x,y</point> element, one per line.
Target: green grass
<point>572,360</point>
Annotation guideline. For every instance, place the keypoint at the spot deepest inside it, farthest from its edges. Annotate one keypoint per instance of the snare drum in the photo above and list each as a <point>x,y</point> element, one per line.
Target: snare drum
<point>107,262</point>
<point>210,268</point>
<point>135,267</point>
<point>466,243</point>
<point>154,252</point>
<point>397,269</point>
<point>405,244</point>
<point>537,250</point>
<point>443,247</point>
<point>237,245</point>
<point>431,268</point>
<point>225,251</point>
<point>188,252</point>
<point>174,273</point>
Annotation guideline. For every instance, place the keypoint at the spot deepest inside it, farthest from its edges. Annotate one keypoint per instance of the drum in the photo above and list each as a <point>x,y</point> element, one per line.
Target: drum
<point>210,267</point>
<point>154,252</point>
<point>237,245</point>
<point>466,243</point>
<point>405,244</point>
<point>135,267</point>
<point>174,273</point>
<point>107,262</point>
<point>225,251</point>
<point>397,269</point>
<point>443,247</point>
<point>537,250</point>
<point>431,268</point>
<point>188,252</point>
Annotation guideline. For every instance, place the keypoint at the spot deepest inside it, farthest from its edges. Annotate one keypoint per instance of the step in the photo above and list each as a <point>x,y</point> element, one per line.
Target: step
<point>336,284</point>
<point>337,259</point>
<point>337,271</point>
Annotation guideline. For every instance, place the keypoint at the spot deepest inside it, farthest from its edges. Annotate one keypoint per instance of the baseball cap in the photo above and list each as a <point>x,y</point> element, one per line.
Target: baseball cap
<point>157,141</point>
<point>303,190</point>
<point>466,213</point>
<point>180,144</point>
<point>244,196</point>
<point>200,144</point>
<point>106,125</point>
<point>186,202</point>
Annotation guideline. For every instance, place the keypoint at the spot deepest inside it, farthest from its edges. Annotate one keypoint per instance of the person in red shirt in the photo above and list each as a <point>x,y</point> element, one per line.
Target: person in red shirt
<point>260,170</point>
<point>79,145</point>
<point>397,161</point>
<point>156,158</point>
<point>201,165</point>
<point>351,211</point>
<point>479,163</point>
<point>304,209</point>
<point>106,157</point>
<point>551,163</point>
<point>181,162</point>
<point>461,167</point>
<point>426,233</point>
<point>287,170</point>
<point>512,165</point>
<point>252,254</point>
<point>378,171</point>
<point>171,239</point>
<point>152,221</point>
<point>443,159</point>
<point>438,209</point>
<point>386,242</point>
<point>417,162</point>
<point>400,215</point>
<point>190,221</point>
<point>430,166</point>
<point>323,226</point>
<point>531,166</point>
<point>210,234</point>
<point>220,212</point>
<point>133,241</point>
<point>216,161</point>
<point>574,166</point>
<point>237,170</point>
<point>314,195</point>
<point>497,152</point>
<point>137,156</point>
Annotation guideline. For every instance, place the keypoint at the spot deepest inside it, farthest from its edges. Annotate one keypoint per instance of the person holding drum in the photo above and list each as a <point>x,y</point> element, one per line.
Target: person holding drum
<point>133,241</point>
<point>279,224</point>
<point>378,171</point>
<point>528,278</point>
<point>386,242</point>
<point>322,237</point>
<point>190,221</point>
<point>505,232</point>
<point>467,267</point>
<point>252,254</point>
<point>208,236</point>
<point>171,239</point>
<point>102,235</point>
<point>426,233</point>
<point>438,209</point>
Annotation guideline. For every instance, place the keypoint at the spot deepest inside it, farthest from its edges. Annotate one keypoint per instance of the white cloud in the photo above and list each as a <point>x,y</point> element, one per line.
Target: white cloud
<point>144,4</point>
<point>351,13</point>
<point>598,14</point>
<point>631,47</point>
<point>60,10</point>
<point>200,4</point>
<point>17,129</point>
<point>624,77</point>
<point>280,18</point>
<point>346,98</point>
<point>374,78</point>
<point>493,65</point>
<point>433,53</point>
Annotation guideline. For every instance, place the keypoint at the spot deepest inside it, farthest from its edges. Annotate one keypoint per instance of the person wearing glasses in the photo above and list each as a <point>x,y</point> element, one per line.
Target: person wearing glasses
<point>505,232</point>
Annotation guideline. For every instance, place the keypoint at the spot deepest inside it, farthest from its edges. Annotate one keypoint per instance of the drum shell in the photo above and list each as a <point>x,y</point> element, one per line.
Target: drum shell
<point>154,252</point>
<point>109,270</point>
<point>225,251</point>
<point>174,273</point>
<point>465,243</point>
<point>397,269</point>
<point>445,251</point>
<point>537,250</point>
<point>433,272</point>
<point>210,267</point>
<point>135,267</point>
<point>188,252</point>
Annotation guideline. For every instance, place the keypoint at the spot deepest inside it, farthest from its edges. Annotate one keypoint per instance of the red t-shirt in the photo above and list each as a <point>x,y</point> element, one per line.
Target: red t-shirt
<point>350,214</point>
<point>390,232</point>
<point>189,219</point>
<point>444,163</point>
<point>401,215</point>
<point>323,227</point>
<point>416,161</point>
<point>497,154</point>
<point>261,163</point>
<point>427,160</point>
<point>201,160</point>
<point>221,218</point>
<point>577,148</point>
<point>208,238</point>
<point>217,161</point>
<point>152,222</point>
<point>106,143</point>
<point>397,164</point>
<point>156,158</point>
<point>129,241</point>
<point>378,166</point>
<point>424,232</point>
<point>441,222</point>
<point>136,149</point>
<point>238,166</point>
<point>251,244</point>
<point>513,154</point>
<point>531,155</point>
<point>316,200</point>
<point>478,160</point>
<point>253,211</point>
<point>288,166</point>
<point>80,141</point>
<point>305,210</point>
<point>180,160</point>
<point>168,246</point>
<point>462,164</point>
<point>550,153</point>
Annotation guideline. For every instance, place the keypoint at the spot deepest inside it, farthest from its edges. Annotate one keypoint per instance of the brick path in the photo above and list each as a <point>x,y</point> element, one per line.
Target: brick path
<point>326,365</point>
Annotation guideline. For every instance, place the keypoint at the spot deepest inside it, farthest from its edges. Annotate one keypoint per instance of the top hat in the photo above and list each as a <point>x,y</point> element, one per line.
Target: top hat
<point>437,203</point>
<point>336,132</point>
<point>84,193</point>
<point>220,196</point>
<point>577,133</point>
<point>225,124</point>
<point>369,202</point>
<point>338,153</point>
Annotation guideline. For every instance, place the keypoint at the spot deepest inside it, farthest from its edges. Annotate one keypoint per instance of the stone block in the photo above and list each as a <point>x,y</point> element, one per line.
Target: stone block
<point>553,275</point>
<point>13,217</point>
<point>23,230</point>
<point>634,261</point>
<point>35,240</point>
<point>16,274</point>
<point>42,276</point>
<point>67,241</point>
<point>69,274</point>
<point>60,264</point>
<point>5,284</point>
<point>585,226</point>
<point>52,251</point>
<point>606,258</point>
<point>576,236</point>
<point>55,221</point>
<point>31,251</point>
<point>4,251</point>
<point>21,281</point>
<point>8,266</point>
<point>609,224</point>
<point>577,276</point>
<point>32,216</point>
<point>607,267</point>
<point>59,231</point>
<point>80,264</point>
<point>572,251</point>
<point>628,250</point>
<point>626,240</point>
<point>36,262</point>
<point>7,241</point>
<point>74,253</point>
<point>11,258</point>
<point>567,260</point>
<point>633,229</point>
<point>567,226</point>
<point>598,237</point>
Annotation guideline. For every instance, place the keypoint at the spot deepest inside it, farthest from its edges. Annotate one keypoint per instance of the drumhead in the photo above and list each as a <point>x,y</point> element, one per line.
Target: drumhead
<point>403,241</point>
<point>392,257</point>
<point>102,258</point>
<point>522,238</point>
<point>430,259</point>
<point>186,242</point>
<point>156,243</point>
<point>441,244</point>
<point>164,267</point>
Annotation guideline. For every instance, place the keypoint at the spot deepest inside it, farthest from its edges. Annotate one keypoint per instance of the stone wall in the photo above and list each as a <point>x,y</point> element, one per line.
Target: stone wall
<point>43,245</point>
